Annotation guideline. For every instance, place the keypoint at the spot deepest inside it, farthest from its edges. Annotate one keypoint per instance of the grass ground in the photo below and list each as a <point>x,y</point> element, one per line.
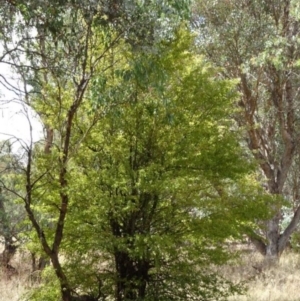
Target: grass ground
<point>12,289</point>
<point>279,283</point>
<point>14,285</point>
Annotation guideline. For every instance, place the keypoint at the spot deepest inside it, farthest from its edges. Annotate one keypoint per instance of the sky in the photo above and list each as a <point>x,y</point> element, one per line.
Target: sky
<point>15,116</point>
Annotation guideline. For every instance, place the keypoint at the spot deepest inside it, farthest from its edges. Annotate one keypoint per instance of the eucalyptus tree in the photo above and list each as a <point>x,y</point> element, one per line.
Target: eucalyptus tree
<point>258,43</point>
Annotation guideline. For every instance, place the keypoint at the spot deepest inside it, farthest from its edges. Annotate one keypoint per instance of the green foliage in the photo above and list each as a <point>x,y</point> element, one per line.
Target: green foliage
<point>44,291</point>
<point>12,213</point>
<point>158,183</point>
<point>146,181</point>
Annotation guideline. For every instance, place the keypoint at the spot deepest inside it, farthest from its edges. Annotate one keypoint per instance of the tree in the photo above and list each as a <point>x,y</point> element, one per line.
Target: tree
<point>255,41</point>
<point>113,187</point>
<point>11,213</point>
<point>58,65</point>
<point>148,214</point>
<point>55,48</point>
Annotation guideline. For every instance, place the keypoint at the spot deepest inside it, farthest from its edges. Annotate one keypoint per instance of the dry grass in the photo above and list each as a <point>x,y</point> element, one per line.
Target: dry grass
<point>279,283</point>
<point>14,284</point>
<point>12,289</point>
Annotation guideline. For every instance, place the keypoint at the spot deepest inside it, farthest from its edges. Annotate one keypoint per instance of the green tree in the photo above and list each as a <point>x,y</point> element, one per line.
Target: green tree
<point>157,184</point>
<point>60,58</point>
<point>55,48</point>
<point>256,42</point>
<point>139,179</point>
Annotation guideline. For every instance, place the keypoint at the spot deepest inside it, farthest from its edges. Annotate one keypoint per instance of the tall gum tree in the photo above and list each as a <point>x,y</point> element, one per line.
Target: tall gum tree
<point>257,42</point>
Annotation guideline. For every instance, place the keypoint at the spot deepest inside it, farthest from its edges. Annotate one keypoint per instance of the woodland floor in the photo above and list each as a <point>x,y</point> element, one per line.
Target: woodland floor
<point>280,283</point>
<point>277,283</point>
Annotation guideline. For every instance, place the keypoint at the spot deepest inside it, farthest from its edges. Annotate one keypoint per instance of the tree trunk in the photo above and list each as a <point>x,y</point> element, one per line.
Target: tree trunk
<point>9,247</point>
<point>132,273</point>
<point>38,263</point>
<point>64,285</point>
<point>8,252</point>
<point>132,277</point>
<point>273,253</point>
<point>276,242</point>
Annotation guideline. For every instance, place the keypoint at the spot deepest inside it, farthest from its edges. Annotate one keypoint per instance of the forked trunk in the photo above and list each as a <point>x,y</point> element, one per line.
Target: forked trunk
<point>276,242</point>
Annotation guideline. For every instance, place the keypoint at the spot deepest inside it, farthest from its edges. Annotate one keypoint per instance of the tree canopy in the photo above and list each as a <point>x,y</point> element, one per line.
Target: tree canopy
<point>141,177</point>
<point>257,43</point>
